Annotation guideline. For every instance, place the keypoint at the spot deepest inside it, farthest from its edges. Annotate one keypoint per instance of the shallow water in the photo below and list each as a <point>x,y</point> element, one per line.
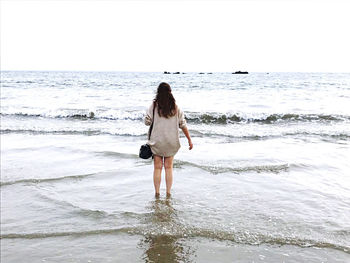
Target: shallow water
<point>267,180</point>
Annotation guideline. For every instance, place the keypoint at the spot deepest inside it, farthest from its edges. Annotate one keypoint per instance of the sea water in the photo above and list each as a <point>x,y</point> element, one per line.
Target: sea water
<point>268,178</point>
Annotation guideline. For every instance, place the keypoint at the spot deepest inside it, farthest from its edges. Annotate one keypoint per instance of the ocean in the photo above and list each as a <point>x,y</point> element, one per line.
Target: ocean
<point>268,179</point>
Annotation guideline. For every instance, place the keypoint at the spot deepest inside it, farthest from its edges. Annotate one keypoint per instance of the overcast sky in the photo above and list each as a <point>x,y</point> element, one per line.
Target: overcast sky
<point>262,35</point>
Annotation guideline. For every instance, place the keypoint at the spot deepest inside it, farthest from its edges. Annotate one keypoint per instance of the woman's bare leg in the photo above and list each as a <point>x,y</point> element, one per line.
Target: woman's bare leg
<point>168,165</point>
<point>157,173</point>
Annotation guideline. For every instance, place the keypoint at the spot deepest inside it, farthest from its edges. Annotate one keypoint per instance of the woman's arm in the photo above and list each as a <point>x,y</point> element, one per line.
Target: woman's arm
<point>149,116</point>
<point>187,134</point>
<point>148,120</point>
<point>183,126</point>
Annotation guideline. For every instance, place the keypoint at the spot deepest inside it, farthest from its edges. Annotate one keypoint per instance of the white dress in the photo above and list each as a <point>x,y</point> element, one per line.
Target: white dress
<point>165,136</point>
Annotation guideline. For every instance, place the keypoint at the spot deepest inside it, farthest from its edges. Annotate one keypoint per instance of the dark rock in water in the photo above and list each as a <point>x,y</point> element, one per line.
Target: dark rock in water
<point>240,72</point>
<point>209,73</point>
<point>201,72</point>
<point>91,115</point>
<point>183,73</point>
<point>177,72</point>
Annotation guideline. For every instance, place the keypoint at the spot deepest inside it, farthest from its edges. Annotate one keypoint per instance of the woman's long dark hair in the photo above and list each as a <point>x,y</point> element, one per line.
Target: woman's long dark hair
<point>165,100</point>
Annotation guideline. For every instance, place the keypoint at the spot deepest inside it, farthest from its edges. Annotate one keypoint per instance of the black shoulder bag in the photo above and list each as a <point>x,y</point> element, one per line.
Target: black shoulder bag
<point>145,150</point>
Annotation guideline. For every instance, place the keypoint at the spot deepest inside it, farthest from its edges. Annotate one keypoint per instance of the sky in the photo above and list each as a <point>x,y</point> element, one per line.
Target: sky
<point>185,36</point>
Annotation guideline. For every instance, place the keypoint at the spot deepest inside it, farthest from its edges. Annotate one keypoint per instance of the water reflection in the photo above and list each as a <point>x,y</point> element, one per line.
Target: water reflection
<point>164,240</point>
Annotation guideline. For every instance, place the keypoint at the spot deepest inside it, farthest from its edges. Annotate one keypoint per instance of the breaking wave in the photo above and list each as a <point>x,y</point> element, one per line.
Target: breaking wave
<point>178,231</point>
<point>65,233</point>
<point>43,180</point>
<point>72,132</point>
<point>272,118</point>
<point>237,170</point>
<point>191,117</point>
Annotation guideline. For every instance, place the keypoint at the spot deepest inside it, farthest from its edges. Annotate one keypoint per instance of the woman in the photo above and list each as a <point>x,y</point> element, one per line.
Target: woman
<point>164,141</point>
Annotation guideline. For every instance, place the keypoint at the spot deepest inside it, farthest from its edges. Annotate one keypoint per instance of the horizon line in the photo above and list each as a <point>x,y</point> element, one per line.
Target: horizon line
<point>163,72</point>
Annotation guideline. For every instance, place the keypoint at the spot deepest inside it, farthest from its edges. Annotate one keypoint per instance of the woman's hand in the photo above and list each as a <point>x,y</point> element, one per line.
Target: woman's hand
<point>190,144</point>
<point>187,134</point>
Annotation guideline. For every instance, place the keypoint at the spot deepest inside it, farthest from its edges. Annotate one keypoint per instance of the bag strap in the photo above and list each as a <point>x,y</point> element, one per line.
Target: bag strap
<point>150,128</point>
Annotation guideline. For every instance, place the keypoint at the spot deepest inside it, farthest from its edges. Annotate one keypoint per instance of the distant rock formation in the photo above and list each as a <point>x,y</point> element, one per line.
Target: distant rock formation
<point>240,72</point>
<point>177,72</point>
